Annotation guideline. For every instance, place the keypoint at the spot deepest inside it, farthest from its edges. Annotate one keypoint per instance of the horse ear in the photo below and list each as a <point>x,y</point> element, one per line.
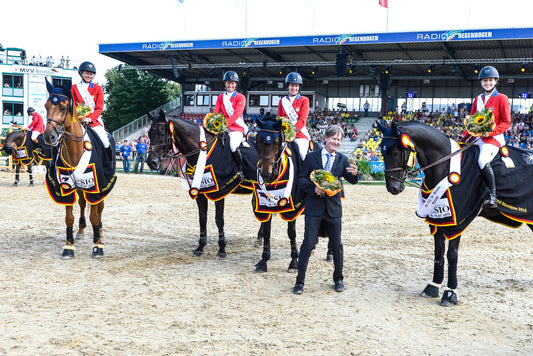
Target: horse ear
<point>162,114</point>
<point>68,88</point>
<point>380,126</point>
<point>395,131</point>
<point>49,86</point>
<point>149,116</point>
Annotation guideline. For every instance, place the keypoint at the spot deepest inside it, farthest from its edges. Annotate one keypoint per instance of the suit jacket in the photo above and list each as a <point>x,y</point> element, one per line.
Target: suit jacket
<point>316,205</point>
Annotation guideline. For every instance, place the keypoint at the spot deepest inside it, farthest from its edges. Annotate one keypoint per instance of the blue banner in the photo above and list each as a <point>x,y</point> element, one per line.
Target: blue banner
<point>345,39</point>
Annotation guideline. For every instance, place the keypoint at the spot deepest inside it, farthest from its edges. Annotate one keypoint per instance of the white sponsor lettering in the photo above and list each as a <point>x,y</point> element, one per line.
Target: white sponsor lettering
<point>207,181</point>
<point>442,209</point>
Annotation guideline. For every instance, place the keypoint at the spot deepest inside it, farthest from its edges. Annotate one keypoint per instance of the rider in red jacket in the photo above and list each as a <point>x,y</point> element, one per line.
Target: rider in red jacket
<point>231,104</point>
<point>296,107</point>
<point>490,143</point>
<point>36,126</point>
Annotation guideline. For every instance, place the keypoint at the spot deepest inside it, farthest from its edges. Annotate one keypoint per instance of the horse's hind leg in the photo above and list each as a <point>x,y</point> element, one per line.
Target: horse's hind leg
<point>201,202</point>
<point>219,219</point>
<point>68,249</point>
<point>432,289</point>
<point>95,216</point>
<point>31,175</point>
<point>291,232</point>
<point>82,222</point>
<point>262,266</point>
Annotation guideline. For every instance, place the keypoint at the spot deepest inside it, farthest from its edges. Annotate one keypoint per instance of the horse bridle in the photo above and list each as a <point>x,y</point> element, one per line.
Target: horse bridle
<point>61,124</point>
<point>282,146</point>
<point>406,173</point>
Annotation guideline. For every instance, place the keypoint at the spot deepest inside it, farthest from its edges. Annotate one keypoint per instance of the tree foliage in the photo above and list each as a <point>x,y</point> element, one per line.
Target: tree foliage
<point>131,93</point>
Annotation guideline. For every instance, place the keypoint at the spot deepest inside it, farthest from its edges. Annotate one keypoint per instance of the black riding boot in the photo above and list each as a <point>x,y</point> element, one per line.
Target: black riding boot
<point>488,174</point>
<point>237,157</point>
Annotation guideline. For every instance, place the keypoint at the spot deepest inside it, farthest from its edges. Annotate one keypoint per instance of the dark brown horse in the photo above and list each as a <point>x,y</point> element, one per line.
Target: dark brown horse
<point>15,147</point>
<point>64,130</point>
<point>453,190</point>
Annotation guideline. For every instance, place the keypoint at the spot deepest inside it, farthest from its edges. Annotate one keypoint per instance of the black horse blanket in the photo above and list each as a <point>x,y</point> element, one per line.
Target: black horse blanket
<point>28,152</point>
<point>462,202</point>
<point>220,176</point>
<point>96,180</point>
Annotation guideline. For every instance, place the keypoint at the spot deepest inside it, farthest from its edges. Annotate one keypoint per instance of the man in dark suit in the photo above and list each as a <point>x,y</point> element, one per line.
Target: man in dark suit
<point>320,208</point>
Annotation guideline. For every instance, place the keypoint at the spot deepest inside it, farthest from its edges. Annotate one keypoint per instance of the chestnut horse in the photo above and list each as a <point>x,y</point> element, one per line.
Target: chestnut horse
<point>64,130</point>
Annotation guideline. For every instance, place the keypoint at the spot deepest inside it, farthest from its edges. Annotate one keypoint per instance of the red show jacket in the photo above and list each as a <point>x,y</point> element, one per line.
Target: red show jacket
<point>97,93</point>
<point>238,102</point>
<point>301,106</point>
<point>501,112</point>
<point>37,123</point>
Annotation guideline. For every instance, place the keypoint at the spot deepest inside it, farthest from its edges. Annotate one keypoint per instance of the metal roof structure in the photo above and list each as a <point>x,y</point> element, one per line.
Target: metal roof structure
<point>452,57</point>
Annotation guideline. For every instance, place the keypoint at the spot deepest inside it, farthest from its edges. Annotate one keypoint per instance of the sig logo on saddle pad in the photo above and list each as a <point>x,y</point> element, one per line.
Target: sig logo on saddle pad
<point>442,209</point>
<point>269,198</point>
<point>22,153</point>
<point>85,181</point>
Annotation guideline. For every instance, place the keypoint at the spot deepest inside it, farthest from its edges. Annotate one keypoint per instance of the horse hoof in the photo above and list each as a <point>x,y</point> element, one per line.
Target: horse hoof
<point>431,291</point>
<point>31,185</point>
<point>220,256</point>
<point>197,253</point>
<point>80,236</point>
<point>329,257</point>
<point>68,253</point>
<point>15,184</point>
<point>98,251</point>
<point>261,267</point>
<point>449,298</point>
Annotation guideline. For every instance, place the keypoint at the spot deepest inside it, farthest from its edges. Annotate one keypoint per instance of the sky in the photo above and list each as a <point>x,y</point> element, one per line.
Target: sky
<point>75,28</point>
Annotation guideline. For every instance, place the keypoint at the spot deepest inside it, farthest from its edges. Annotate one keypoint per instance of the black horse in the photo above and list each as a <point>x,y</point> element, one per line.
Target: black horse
<point>24,151</point>
<point>174,137</point>
<point>453,190</point>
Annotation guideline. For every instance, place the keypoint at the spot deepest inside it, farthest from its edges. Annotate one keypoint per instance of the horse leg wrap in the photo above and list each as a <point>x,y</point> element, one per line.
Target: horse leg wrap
<point>96,234</point>
<point>83,222</point>
<point>70,235</point>
<point>68,252</point>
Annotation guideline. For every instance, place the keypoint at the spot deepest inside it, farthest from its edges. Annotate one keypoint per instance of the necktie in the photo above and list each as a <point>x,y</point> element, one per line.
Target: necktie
<point>327,166</point>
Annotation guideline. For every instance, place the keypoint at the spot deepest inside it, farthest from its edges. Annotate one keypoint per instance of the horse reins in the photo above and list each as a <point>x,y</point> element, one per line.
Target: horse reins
<point>406,174</point>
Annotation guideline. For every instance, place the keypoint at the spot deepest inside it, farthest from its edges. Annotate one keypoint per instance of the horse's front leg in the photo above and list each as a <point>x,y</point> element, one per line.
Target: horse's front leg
<point>31,174</point>
<point>219,219</point>
<point>201,202</point>
<point>17,175</point>
<point>82,222</point>
<point>95,216</point>
<point>291,232</point>
<point>449,297</point>
<point>68,249</point>
<point>432,289</point>
<point>266,226</point>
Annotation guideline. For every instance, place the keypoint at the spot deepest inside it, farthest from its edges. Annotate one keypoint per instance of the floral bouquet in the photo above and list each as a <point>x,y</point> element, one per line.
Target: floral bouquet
<point>289,129</point>
<point>480,123</point>
<point>325,180</point>
<point>215,123</point>
<point>83,110</point>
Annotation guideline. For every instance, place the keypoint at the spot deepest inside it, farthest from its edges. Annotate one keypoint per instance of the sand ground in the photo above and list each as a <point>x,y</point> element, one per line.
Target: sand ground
<point>148,295</point>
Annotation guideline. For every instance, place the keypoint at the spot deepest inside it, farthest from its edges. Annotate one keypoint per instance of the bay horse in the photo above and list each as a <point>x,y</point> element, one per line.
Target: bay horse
<point>276,159</point>
<point>15,146</point>
<point>453,190</point>
<point>64,181</point>
<point>172,137</point>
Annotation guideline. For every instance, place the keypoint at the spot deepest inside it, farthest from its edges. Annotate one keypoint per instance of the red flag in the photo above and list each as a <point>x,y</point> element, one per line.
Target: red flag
<point>384,3</point>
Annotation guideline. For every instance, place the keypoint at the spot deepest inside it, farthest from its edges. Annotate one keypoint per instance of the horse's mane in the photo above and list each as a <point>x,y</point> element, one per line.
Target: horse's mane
<point>417,125</point>
<point>14,133</point>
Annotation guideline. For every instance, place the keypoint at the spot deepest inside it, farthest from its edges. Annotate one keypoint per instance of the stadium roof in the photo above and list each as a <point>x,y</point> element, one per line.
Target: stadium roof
<point>451,55</point>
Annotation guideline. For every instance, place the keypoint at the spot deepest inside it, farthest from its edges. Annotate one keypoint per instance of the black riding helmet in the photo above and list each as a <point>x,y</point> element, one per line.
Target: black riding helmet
<point>87,67</point>
<point>231,76</point>
<point>488,72</point>
<point>294,77</point>
<point>30,110</point>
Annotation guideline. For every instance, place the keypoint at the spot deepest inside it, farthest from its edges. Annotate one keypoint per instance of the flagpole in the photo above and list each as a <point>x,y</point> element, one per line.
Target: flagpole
<point>387,26</point>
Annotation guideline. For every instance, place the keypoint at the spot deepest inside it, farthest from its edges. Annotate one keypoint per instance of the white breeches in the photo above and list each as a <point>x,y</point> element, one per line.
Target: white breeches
<point>487,152</point>
<point>34,135</point>
<point>235,139</point>
<point>102,134</point>
<point>303,146</point>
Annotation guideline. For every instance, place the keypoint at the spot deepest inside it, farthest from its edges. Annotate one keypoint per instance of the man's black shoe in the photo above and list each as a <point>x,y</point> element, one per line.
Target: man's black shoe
<point>298,288</point>
<point>339,286</point>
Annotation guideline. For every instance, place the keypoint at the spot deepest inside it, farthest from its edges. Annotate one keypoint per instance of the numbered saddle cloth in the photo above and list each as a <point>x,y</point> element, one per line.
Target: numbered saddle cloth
<point>460,203</point>
<point>281,196</point>
<point>28,151</point>
<point>94,178</point>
